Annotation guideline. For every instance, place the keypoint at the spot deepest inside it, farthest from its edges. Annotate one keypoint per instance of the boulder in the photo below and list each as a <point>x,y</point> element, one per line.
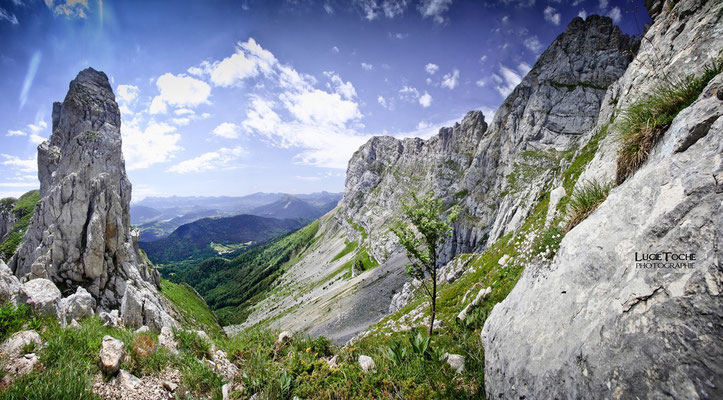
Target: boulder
<point>142,307</point>
<point>9,285</point>
<point>367,364</point>
<point>42,296</point>
<point>223,366</point>
<point>14,345</point>
<point>78,305</point>
<point>111,354</point>
<point>19,366</point>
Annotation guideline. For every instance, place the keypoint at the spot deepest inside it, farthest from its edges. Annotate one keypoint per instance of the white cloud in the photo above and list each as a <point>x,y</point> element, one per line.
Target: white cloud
<point>248,61</point>
<point>505,19</point>
<point>482,59</point>
<point>328,8</point>
<point>223,158</point>
<point>431,68</point>
<point>36,139</point>
<point>425,100</point>
<point>552,16</point>
<point>126,93</point>
<point>12,132</point>
<point>4,15</point>
<point>68,8</point>
<point>227,130</point>
<point>524,68</point>
<point>184,111</point>
<point>382,101</point>
<point>37,127</point>
<point>582,14</point>
<point>434,9</point>
<point>409,93</point>
<point>389,8</point>
<point>181,121</point>
<point>17,163</point>
<point>481,83</point>
<point>320,108</point>
<point>345,89</point>
<point>508,81</point>
<point>603,4</point>
<point>615,14</point>
<point>18,184</point>
<point>451,80</point>
<point>533,44</point>
<point>157,143</point>
<point>179,90</point>
<point>367,67</point>
<point>335,49</point>
<point>400,35</point>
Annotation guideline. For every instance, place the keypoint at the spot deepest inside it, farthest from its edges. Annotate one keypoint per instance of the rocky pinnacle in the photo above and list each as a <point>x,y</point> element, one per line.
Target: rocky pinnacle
<point>80,233</point>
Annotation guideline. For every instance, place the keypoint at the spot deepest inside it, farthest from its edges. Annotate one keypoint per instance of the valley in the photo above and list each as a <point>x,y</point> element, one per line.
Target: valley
<point>493,258</point>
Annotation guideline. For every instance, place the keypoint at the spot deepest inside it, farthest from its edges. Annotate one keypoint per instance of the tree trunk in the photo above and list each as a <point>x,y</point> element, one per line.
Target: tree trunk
<point>434,301</point>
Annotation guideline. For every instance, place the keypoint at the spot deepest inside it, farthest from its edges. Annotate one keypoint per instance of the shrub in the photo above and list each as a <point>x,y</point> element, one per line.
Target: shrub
<point>585,200</point>
<point>143,345</point>
<point>12,319</point>
<point>644,122</point>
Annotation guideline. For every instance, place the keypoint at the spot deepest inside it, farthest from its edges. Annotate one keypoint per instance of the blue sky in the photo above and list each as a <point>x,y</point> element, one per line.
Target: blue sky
<point>235,97</point>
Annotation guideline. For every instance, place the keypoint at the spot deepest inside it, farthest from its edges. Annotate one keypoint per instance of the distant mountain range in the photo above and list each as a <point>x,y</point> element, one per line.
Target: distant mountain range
<point>157,217</point>
<point>210,237</point>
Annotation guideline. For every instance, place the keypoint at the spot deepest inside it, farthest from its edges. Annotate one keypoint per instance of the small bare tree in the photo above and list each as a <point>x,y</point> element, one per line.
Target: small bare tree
<point>422,241</point>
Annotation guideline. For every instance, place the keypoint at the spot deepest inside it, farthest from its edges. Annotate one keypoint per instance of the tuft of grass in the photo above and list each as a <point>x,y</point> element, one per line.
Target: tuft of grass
<point>644,122</point>
<point>12,319</point>
<point>192,343</point>
<point>585,200</point>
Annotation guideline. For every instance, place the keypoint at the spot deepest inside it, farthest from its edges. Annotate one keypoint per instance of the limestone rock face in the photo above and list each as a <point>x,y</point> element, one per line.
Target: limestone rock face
<point>14,345</point>
<point>595,324</point>
<point>80,232</point>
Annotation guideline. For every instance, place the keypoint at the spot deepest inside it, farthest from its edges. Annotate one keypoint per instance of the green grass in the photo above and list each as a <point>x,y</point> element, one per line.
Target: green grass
<point>643,123</point>
<point>348,248</point>
<point>192,307</point>
<point>585,200</point>
<point>23,211</point>
<point>69,359</point>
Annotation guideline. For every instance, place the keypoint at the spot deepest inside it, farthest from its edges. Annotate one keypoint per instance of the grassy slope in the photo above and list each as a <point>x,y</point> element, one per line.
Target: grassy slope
<point>231,287</point>
<point>192,307</point>
<point>24,211</point>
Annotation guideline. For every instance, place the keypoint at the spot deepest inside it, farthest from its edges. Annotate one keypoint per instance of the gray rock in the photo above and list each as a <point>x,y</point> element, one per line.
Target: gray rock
<point>170,386</point>
<point>14,345</point>
<point>143,307</point>
<point>78,305</point>
<point>284,337</point>
<point>42,296</point>
<point>18,367</point>
<point>332,362</point>
<point>367,364</point>
<point>142,329</point>
<point>80,231</point>
<point>167,340</point>
<point>555,196</point>
<point>111,354</point>
<point>404,296</point>
<point>9,285</point>
<point>109,318</point>
<point>594,323</point>
<point>480,296</point>
<point>127,380</point>
<point>455,361</point>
